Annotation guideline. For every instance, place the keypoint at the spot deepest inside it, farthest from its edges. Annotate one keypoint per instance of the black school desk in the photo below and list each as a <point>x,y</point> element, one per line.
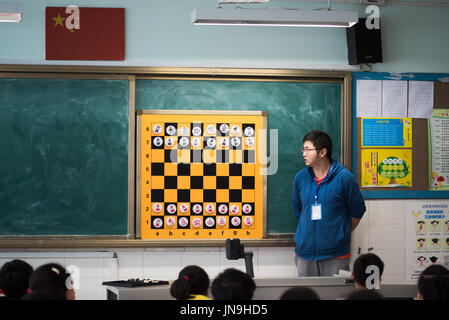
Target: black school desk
<point>328,288</point>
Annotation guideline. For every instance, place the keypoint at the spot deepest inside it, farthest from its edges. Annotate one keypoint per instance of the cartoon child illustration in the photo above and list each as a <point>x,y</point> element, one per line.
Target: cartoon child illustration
<point>420,226</point>
<point>447,243</point>
<point>447,225</point>
<point>435,225</point>
<point>421,261</point>
<point>421,243</point>
<point>434,177</point>
<point>435,243</point>
<point>433,259</point>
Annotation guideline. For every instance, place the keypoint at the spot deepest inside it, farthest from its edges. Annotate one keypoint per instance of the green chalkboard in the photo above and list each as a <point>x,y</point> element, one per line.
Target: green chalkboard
<point>294,108</point>
<point>64,156</point>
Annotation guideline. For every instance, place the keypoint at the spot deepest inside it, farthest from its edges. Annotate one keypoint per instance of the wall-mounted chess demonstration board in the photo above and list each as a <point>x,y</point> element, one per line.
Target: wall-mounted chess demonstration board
<point>199,174</point>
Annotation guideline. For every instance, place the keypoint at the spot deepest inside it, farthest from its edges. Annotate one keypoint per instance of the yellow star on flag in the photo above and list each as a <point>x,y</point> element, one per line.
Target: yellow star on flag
<point>59,20</point>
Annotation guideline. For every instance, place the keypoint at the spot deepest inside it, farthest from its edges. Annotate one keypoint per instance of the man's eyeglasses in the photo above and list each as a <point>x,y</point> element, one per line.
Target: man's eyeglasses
<point>309,150</point>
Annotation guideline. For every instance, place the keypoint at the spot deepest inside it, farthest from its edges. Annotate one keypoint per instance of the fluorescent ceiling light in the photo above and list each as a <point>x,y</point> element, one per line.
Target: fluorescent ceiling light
<point>11,11</point>
<point>274,17</point>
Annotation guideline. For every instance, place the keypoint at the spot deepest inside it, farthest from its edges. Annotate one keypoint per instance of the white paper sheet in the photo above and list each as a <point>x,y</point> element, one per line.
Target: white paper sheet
<point>369,94</point>
<point>439,149</point>
<point>420,99</point>
<point>394,98</point>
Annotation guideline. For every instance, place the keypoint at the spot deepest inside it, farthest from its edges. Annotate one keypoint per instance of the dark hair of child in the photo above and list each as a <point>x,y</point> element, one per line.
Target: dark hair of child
<point>51,275</point>
<point>46,294</point>
<point>192,280</point>
<point>14,277</point>
<point>299,293</point>
<point>365,295</point>
<point>433,283</point>
<point>233,284</point>
<point>362,263</point>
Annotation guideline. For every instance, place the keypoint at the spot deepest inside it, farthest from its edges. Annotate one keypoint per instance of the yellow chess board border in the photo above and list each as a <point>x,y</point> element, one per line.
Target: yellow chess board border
<point>218,233</point>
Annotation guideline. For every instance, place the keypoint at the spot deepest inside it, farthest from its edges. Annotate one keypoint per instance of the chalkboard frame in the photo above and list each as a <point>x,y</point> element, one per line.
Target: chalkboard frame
<point>172,73</point>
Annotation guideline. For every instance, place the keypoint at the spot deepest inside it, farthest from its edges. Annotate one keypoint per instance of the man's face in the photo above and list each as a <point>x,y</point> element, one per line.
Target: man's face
<point>310,154</point>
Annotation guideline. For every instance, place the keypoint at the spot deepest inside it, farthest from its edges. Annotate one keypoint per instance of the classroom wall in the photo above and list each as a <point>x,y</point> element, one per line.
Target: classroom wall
<point>382,228</point>
<point>159,33</point>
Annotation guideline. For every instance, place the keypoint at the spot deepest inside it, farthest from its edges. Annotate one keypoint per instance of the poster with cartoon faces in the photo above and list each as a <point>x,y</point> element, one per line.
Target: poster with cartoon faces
<point>426,236</point>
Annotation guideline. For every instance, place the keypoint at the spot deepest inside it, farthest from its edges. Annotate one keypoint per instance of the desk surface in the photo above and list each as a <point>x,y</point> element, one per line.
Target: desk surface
<point>328,288</point>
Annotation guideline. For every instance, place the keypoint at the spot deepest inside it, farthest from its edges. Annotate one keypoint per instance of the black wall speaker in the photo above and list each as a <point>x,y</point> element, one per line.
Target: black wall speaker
<point>364,45</point>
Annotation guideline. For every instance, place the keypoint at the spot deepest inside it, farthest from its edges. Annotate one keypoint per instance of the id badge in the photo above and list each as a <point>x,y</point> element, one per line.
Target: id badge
<point>316,211</point>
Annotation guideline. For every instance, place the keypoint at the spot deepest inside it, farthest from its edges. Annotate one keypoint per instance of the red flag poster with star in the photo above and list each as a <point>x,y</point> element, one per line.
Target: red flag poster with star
<point>84,33</point>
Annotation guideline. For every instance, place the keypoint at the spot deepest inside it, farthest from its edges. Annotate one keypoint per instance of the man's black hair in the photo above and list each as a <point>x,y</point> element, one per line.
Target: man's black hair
<point>320,140</point>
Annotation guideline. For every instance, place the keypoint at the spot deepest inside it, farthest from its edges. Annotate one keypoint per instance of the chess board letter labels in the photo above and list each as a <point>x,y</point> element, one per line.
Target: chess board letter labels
<point>200,174</point>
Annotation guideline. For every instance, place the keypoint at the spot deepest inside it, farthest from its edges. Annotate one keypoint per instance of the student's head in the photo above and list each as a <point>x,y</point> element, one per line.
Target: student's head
<point>52,275</point>
<point>192,280</point>
<point>46,294</point>
<point>365,266</point>
<point>319,140</point>
<point>299,293</point>
<point>14,277</point>
<point>233,284</point>
<point>433,283</point>
<point>365,295</point>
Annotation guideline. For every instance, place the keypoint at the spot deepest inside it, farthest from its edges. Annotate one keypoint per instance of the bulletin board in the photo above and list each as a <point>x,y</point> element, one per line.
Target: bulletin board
<point>418,150</point>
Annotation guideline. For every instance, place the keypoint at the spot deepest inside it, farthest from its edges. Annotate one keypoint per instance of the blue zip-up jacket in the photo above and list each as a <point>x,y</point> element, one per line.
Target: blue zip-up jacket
<point>340,199</point>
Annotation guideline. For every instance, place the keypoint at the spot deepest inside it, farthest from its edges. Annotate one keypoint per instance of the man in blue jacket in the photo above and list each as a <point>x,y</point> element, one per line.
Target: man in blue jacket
<point>329,205</point>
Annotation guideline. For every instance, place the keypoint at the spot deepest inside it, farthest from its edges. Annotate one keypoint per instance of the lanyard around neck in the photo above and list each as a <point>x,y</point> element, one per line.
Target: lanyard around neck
<point>315,184</point>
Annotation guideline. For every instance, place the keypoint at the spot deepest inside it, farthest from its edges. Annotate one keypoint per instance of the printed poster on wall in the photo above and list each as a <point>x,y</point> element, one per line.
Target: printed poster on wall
<point>439,149</point>
<point>386,132</point>
<point>386,168</point>
<point>426,236</point>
